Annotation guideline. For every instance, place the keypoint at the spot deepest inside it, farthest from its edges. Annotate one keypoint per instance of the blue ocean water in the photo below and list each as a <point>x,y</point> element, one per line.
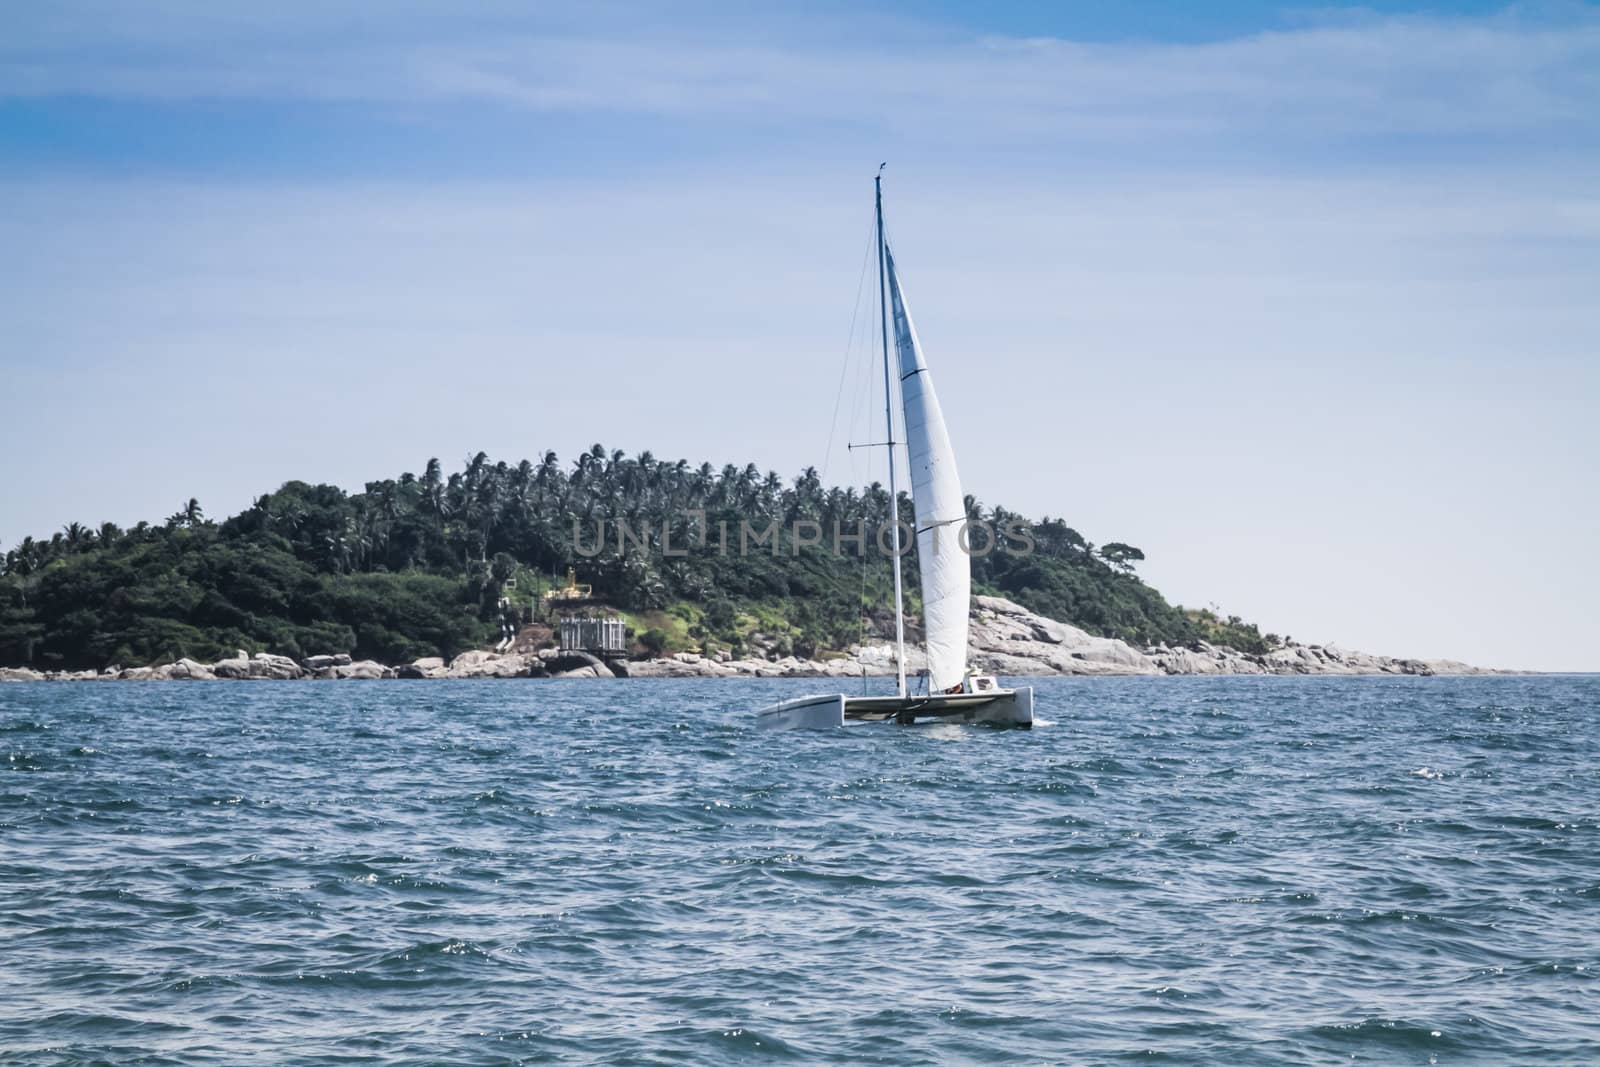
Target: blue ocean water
<point>1170,870</point>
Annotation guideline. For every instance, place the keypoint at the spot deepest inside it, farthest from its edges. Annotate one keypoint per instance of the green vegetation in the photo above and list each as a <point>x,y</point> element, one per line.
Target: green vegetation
<point>416,566</point>
<point>1232,632</point>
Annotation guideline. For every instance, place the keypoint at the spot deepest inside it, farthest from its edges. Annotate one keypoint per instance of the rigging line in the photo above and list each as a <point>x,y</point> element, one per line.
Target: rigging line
<point>844,371</point>
<point>861,618</point>
<point>861,366</point>
<point>867,386</point>
<point>865,391</point>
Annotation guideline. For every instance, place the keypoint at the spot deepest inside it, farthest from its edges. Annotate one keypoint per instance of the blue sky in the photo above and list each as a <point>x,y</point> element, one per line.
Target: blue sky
<point>1298,299</point>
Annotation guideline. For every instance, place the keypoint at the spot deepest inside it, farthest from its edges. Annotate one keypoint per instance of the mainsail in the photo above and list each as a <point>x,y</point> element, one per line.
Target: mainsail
<point>946,569</point>
<point>941,508</point>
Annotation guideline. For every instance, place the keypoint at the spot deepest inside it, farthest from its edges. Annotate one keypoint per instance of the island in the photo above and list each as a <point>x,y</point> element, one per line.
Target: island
<point>714,572</point>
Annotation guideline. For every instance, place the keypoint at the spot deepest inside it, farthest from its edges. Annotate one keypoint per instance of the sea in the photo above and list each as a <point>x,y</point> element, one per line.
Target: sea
<point>1164,870</point>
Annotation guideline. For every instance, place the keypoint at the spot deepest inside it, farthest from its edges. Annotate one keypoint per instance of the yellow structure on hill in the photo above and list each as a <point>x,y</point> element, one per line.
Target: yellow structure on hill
<point>572,591</point>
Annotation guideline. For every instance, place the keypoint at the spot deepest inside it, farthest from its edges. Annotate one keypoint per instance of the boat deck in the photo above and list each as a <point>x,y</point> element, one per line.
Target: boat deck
<point>909,708</point>
<point>1000,707</point>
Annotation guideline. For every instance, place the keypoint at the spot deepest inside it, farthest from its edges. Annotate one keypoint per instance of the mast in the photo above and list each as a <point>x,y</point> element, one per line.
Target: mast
<point>888,420</point>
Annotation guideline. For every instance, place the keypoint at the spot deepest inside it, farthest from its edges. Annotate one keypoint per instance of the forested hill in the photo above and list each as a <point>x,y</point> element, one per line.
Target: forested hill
<point>417,565</point>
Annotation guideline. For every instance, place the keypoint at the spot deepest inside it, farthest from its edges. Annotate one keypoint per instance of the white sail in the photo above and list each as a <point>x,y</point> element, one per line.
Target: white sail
<point>940,507</point>
<point>946,569</point>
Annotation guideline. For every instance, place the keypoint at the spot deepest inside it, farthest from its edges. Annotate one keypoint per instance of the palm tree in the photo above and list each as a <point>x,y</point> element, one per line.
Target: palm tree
<point>549,476</point>
<point>78,537</point>
<point>771,491</point>
<point>28,557</point>
<point>435,502</point>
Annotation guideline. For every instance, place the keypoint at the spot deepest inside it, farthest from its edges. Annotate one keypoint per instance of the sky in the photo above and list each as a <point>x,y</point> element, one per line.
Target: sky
<point>1300,300</point>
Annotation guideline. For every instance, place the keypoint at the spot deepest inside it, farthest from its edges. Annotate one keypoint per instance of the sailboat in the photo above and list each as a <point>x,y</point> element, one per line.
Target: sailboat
<point>953,692</point>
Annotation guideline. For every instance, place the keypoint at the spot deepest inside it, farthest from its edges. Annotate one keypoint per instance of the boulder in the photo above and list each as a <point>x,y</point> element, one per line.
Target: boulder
<point>136,674</point>
<point>317,663</point>
<point>280,668</point>
<point>563,664</point>
<point>231,668</point>
<point>512,666</point>
<point>475,657</point>
<point>361,669</point>
<point>187,670</point>
<point>480,664</point>
<point>660,668</point>
<point>1007,638</point>
<point>673,668</point>
<point>20,674</point>
<point>577,672</point>
<point>1188,661</point>
<point>1446,666</point>
<point>426,667</point>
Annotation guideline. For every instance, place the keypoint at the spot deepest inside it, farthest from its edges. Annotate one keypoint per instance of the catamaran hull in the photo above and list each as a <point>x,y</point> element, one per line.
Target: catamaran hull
<point>1014,708</point>
<point>1005,707</point>
<point>824,712</point>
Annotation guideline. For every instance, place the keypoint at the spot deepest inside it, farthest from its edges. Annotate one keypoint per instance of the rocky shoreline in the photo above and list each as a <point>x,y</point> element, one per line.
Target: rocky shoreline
<point>1006,639</point>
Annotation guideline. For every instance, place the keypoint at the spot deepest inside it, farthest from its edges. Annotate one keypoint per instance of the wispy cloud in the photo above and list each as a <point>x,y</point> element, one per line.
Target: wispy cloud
<point>1337,75</point>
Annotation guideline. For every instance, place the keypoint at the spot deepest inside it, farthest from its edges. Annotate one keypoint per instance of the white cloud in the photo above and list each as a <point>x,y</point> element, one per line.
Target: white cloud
<point>1356,74</point>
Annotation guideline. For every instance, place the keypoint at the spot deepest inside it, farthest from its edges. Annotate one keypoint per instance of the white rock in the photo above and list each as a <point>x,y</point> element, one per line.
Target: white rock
<point>468,659</point>
<point>188,670</point>
<point>361,669</point>
<point>231,668</point>
<point>267,665</point>
<point>577,672</point>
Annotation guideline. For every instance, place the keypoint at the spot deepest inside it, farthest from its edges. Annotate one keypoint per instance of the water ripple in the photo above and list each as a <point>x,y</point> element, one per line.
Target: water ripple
<point>1189,871</point>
